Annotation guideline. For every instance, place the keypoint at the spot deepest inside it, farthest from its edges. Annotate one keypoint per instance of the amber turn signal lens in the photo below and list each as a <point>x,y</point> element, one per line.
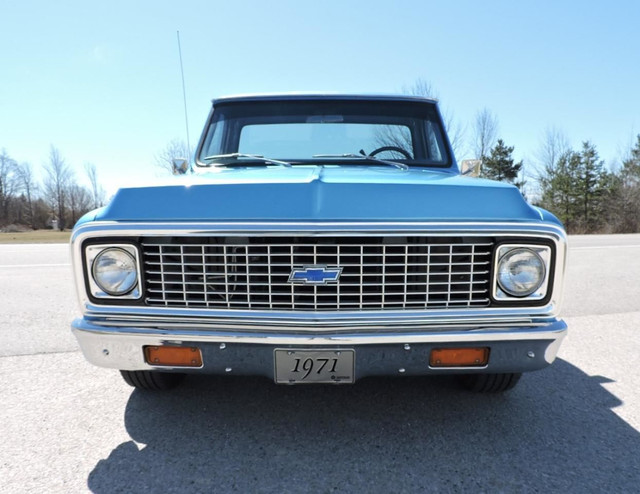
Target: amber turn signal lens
<point>459,357</point>
<point>173,356</point>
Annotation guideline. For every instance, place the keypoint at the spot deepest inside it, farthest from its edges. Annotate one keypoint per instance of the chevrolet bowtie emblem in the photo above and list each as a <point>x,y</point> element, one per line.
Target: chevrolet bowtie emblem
<point>315,275</point>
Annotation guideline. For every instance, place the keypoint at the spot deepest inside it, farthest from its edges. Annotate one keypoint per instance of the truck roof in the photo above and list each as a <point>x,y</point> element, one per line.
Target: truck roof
<point>322,96</point>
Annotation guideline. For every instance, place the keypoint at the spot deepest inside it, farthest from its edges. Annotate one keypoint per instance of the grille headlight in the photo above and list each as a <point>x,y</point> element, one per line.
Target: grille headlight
<point>113,271</point>
<point>521,272</point>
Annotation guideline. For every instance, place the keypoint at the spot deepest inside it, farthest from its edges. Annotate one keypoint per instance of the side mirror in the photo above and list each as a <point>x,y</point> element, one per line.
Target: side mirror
<point>471,167</point>
<point>180,166</point>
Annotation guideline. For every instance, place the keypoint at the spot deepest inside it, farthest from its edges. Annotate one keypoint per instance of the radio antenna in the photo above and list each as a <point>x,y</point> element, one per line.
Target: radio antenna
<point>184,97</point>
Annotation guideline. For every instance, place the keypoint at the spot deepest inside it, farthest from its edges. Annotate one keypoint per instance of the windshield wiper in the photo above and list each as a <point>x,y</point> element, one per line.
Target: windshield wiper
<point>257,157</point>
<point>363,156</point>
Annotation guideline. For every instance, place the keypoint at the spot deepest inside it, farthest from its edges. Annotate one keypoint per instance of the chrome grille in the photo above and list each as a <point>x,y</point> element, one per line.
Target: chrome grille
<point>378,272</point>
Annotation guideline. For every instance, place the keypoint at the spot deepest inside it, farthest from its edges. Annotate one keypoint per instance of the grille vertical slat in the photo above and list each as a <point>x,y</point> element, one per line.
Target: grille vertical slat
<point>184,284</point>
<point>384,276</point>
<point>428,277</point>
<point>378,273</point>
<point>449,273</point>
<point>204,276</point>
<point>361,274</point>
<point>406,276</point>
<point>473,257</point>
<point>293,295</point>
<point>162,277</point>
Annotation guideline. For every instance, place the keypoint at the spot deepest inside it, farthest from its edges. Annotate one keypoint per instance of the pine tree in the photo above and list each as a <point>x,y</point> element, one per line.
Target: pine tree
<point>558,185</point>
<point>500,165</point>
<point>593,183</point>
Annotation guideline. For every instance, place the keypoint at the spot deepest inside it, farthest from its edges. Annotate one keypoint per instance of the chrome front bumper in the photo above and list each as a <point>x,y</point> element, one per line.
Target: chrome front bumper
<point>512,349</point>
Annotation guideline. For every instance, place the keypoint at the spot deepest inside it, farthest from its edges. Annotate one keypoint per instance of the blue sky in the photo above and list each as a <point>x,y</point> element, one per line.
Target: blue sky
<point>102,82</point>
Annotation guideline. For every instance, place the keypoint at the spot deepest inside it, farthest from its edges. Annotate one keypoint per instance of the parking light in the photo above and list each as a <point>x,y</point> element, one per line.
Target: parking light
<point>459,357</point>
<point>173,356</point>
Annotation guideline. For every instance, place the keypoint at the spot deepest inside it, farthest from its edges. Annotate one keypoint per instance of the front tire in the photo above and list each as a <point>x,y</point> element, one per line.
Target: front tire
<point>152,381</point>
<point>489,383</point>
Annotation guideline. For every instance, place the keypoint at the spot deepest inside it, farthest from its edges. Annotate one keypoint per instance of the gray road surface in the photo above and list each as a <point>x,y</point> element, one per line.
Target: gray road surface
<point>69,427</point>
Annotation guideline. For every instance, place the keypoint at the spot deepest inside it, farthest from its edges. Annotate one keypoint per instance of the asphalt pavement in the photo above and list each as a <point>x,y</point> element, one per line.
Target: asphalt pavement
<point>66,426</point>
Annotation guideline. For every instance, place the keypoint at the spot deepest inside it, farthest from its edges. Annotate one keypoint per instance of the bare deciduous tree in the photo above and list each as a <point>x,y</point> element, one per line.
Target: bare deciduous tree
<point>97,191</point>
<point>175,148</point>
<point>58,177</point>
<point>623,210</point>
<point>421,87</point>
<point>455,131</point>
<point>29,188</point>
<point>8,184</point>
<point>554,143</point>
<point>486,133</point>
<point>79,202</point>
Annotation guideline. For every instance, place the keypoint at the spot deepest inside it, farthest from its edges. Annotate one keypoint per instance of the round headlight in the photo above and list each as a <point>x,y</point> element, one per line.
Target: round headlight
<point>521,271</point>
<point>114,271</point>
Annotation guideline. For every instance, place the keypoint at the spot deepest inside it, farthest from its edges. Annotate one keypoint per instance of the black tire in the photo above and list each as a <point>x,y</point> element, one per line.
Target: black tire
<point>489,383</point>
<point>152,381</point>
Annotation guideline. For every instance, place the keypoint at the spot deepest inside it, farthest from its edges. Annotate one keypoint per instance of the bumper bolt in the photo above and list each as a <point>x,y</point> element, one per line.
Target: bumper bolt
<point>105,352</point>
<point>407,346</point>
<point>228,369</point>
<point>530,354</point>
<point>222,346</point>
<point>401,370</point>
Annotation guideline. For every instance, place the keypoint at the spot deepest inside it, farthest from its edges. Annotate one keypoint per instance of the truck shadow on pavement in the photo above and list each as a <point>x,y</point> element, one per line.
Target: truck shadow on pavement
<point>555,431</point>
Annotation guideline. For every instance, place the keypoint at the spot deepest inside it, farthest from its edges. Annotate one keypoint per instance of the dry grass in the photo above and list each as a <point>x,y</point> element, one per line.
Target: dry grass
<point>35,237</point>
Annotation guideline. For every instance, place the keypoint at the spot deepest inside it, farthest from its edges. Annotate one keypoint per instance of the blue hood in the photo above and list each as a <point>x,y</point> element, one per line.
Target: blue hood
<point>321,193</point>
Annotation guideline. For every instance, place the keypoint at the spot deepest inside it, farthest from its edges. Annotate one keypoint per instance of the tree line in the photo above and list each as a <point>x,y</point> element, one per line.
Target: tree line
<point>574,184</point>
<point>55,201</point>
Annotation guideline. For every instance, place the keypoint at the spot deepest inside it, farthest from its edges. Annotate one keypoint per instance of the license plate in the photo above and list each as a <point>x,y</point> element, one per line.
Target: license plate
<point>313,366</point>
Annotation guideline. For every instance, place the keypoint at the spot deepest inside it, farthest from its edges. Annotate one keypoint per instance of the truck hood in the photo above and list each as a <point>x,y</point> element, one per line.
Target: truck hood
<point>321,193</point>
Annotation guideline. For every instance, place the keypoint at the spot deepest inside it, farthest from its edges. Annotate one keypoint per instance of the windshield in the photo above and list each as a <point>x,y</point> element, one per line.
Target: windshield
<point>325,131</point>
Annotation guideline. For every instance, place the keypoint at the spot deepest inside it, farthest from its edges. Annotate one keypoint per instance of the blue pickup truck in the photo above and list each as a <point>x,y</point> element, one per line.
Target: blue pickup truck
<point>320,239</point>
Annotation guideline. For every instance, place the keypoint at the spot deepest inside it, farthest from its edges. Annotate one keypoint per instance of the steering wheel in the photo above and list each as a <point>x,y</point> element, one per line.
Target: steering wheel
<point>391,148</point>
